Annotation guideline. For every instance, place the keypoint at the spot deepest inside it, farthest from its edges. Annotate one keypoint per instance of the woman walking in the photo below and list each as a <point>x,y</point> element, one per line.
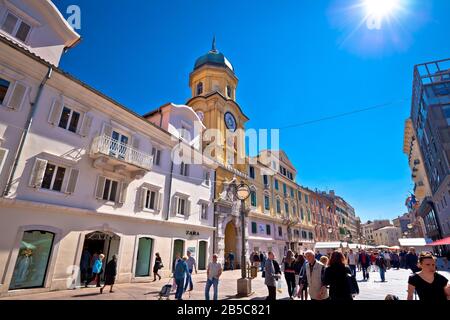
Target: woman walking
<point>110,274</point>
<point>337,277</point>
<point>429,285</point>
<point>300,275</point>
<point>158,265</point>
<point>289,273</point>
<point>96,270</point>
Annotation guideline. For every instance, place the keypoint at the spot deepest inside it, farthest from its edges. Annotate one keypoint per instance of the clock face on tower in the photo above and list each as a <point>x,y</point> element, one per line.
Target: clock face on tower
<point>230,121</point>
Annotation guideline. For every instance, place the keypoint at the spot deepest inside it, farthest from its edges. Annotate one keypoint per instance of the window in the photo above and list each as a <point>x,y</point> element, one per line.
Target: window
<point>292,192</point>
<point>184,169</point>
<point>253,198</point>
<point>299,196</point>
<point>294,210</point>
<point>204,211</point>
<point>181,206</point>
<point>69,119</point>
<point>284,189</point>
<point>199,88</point>
<point>265,180</point>
<point>207,178</point>
<point>3,155</point>
<point>286,208</point>
<point>4,86</point>
<point>301,213</point>
<point>185,133</point>
<point>306,198</point>
<point>110,190</point>
<point>229,92</point>
<point>276,184</point>
<point>446,111</point>
<point>266,202</point>
<point>254,228</point>
<point>156,153</point>
<point>53,177</point>
<point>280,231</point>
<point>252,172</point>
<point>118,147</point>
<point>268,229</point>
<point>16,27</point>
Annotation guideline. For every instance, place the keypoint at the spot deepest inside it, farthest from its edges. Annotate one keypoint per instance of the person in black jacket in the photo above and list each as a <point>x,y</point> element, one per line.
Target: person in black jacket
<point>110,274</point>
<point>158,265</point>
<point>337,277</point>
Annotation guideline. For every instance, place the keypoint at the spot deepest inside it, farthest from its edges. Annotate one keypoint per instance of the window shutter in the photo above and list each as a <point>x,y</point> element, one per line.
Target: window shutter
<point>17,96</point>
<point>107,130</point>
<point>160,200</point>
<point>123,192</point>
<point>55,112</point>
<point>86,126</point>
<point>142,197</point>
<point>100,188</point>
<point>188,208</point>
<point>3,155</point>
<point>73,177</point>
<point>37,175</point>
<point>174,205</point>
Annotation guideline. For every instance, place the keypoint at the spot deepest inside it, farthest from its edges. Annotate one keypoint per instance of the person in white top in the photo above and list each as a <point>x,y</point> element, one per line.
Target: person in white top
<point>213,273</point>
<point>387,257</point>
<point>352,262</point>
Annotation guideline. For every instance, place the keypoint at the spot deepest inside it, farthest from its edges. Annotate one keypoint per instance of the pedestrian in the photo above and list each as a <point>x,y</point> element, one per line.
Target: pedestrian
<point>180,275</point>
<point>365,263</point>
<point>84,265</point>
<point>96,271</point>
<point>192,265</point>
<point>174,264</point>
<point>358,261</point>
<point>373,260</point>
<point>289,273</point>
<point>352,262</point>
<point>337,277</point>
<point>158,265</point>
<point>315,271</point>
<point>231,259</point>
<point>299,267</point>
<point>256,259</point>
<point>387,257</point>
<point>271,276</point>
<point>402,256</point>
<point>429,285</point>
<point>324,260</point>
<point>382,265</point>
<point>263,260</point>
<point>110,274</point>
<point>412,260</point>
<point>395,259</point>
<point>213,274</point>
<point>318,255</point>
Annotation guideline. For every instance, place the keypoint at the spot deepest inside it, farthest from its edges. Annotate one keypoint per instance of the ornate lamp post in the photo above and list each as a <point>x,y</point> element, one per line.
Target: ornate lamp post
<point>244,285</point>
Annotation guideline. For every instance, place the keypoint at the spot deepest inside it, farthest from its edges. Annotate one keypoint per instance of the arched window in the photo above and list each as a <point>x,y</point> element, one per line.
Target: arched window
<point>199,88</point>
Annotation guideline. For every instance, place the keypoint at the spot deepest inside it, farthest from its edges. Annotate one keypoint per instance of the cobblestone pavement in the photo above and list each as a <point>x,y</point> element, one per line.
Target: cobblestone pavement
<point>369,290</point>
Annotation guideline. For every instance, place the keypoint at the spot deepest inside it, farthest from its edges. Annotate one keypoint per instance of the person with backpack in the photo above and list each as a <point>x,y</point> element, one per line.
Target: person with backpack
<point>339,277</point>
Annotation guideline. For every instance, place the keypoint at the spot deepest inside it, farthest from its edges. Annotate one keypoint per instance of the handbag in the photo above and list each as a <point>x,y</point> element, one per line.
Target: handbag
<point>353,284</point>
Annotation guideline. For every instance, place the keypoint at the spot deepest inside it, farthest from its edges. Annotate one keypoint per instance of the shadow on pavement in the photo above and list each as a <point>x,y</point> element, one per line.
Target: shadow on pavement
<point>87,295</point>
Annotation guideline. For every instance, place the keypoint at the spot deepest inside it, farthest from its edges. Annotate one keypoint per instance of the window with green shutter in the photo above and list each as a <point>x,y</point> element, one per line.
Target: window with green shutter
<point>254,229</point>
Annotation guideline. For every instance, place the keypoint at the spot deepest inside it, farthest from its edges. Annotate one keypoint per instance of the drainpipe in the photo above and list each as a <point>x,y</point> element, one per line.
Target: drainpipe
<point>25,132</point>
<point>214,212</point>
<point>170,190</point>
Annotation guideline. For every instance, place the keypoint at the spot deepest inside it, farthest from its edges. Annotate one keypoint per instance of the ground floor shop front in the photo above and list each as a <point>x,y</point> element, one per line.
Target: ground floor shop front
<point>45,248</point>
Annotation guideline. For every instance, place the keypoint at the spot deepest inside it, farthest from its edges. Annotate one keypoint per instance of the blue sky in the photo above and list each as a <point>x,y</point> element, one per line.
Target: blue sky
<point>296,61</point>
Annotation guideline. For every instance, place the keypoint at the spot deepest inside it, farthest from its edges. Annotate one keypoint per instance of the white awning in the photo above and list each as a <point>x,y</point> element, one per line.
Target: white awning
<point>329,245</point>
<point>412,242</point>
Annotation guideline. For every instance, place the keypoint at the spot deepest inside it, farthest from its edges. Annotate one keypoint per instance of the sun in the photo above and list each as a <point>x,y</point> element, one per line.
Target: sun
<point>381,8</point>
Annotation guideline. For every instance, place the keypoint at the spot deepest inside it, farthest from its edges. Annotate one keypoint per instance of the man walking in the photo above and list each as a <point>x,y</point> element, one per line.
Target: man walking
<point>315,271</point>
<point>387,257</point>
<point>352,262</point>
<point>365,263</point>
<point>192,264</point>
<point>231,258</point>
<point>382,266</point>
<point>213,273</point>
<point>271,276</point>
<point>180,274</point>
<point>263,260</point>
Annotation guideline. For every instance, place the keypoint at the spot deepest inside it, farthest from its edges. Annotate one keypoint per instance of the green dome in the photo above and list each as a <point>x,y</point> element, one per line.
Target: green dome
<point>213,57</point>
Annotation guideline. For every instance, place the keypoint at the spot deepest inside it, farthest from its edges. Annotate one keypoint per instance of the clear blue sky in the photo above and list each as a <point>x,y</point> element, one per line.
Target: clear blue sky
<point>296,61</point>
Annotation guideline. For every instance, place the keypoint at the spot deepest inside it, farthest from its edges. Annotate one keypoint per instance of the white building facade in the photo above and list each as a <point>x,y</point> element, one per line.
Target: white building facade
<point>81,174</point>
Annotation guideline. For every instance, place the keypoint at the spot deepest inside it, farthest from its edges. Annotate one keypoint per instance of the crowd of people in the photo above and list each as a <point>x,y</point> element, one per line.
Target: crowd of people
<point>332,276</point>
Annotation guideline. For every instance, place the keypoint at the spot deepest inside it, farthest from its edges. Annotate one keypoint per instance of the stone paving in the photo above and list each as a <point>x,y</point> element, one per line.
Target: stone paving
<point>369,290</point>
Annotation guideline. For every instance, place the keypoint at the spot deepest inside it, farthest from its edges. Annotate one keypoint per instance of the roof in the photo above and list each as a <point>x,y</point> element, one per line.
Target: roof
<point>213,57</point>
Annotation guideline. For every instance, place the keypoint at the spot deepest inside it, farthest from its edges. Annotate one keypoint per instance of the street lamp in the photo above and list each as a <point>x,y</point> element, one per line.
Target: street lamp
<point>244,284</point>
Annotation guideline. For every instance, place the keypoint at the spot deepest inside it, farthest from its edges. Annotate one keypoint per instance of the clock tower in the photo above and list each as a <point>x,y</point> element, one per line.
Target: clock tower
<point>213,86</point>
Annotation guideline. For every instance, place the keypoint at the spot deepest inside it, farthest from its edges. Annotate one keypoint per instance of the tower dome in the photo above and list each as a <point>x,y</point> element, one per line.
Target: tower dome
<point>213,57</point>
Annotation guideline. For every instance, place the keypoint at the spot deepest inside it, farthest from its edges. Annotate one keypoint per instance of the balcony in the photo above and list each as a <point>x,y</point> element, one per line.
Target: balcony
<point>110,154</point>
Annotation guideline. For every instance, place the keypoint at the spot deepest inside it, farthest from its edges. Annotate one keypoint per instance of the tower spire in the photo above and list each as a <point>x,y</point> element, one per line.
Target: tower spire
<point>213,47</point>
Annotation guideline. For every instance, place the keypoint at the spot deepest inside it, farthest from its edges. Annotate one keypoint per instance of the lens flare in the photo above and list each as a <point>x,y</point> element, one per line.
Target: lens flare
<point>381,8</point>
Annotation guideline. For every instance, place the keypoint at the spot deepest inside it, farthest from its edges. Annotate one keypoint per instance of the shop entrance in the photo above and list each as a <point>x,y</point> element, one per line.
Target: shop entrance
<point>230,246</point>
<point>203,245</point>
<point>97,243</point>
<point>178,249</point>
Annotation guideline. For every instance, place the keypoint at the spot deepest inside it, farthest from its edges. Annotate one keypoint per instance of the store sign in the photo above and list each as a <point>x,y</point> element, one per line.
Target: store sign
<point>192,233</point>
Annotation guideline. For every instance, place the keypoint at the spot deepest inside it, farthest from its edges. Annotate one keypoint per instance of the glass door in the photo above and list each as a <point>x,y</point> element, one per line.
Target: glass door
<point>119,145</point>
<point>178,249</point>
<point>202,255</point>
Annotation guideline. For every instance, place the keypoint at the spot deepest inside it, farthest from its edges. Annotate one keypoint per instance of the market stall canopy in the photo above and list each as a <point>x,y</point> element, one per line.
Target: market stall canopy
<point>394,248</point>
<point>382,247</point>
<point>413,242</point>
<point>331,245</point>
<point>442,242</point>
